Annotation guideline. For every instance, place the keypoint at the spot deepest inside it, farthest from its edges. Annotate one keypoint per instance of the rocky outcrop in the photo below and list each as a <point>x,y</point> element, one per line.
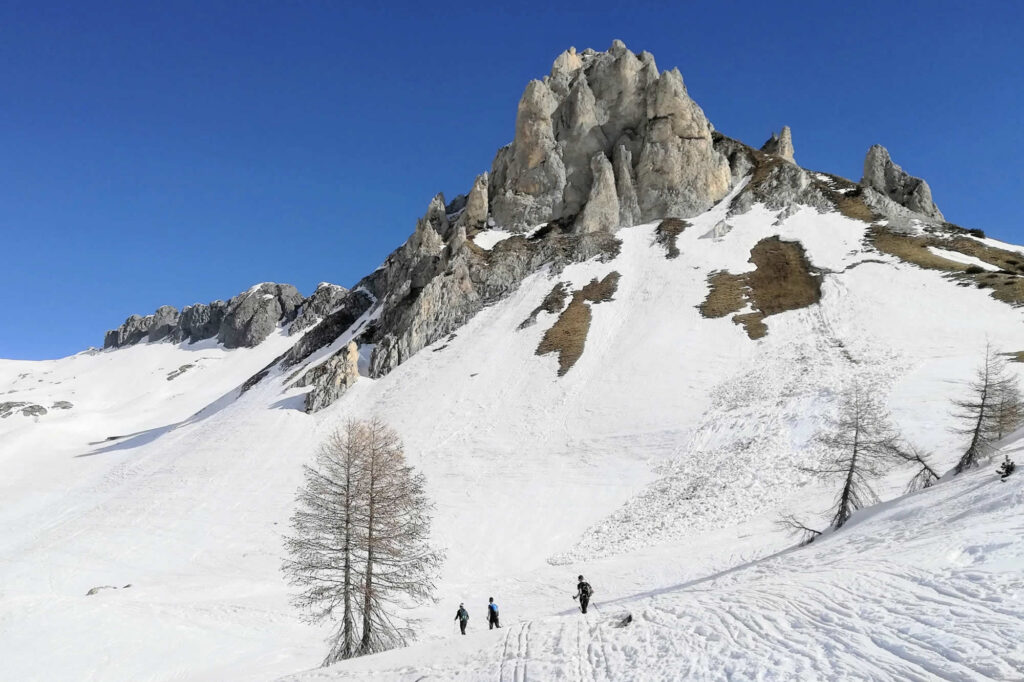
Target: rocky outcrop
<point>629,208</point>
<point>598,102</point>
<point>245,320</point>
<point>320,303</point>
<point>601,212</point>
<point>528,176</point>
<point>474,214</point>
<point>340,320</point>
<point>251,317</point>
<point>885,177</point>
<point>134,329</point>
<point>679,173</point>
<point>26,409</point>
<point>164,322</point>
<point>331,378</point>
<point>430,286</point>
<point>200,321</point>
<point>780,145</point>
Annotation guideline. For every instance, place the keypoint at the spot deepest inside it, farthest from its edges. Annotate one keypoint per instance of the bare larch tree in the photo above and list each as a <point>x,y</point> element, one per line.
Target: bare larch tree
<point>979,413</point>
<point>1009,408</point>
<point>924,476</point>
<point>400,564</point>
<point>859,447</point>
<point>361,513</point>
<point>322,550</point>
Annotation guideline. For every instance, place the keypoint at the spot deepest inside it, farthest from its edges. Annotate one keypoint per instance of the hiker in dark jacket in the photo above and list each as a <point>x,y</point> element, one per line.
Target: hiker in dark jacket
<point>492,614</point>
<point>462,615</point>
<point>583,592</point>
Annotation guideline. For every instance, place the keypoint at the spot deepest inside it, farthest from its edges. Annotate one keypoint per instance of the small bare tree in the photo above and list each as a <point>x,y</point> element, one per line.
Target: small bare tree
<point>979,411</point>
<point>1009,408</point>
<point>924,476</point>
<point>859,447</point>
<point>361,512</point>
<point>794,526</point>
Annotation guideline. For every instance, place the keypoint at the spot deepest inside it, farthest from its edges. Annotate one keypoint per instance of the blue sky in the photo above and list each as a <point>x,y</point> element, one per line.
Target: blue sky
<point>170,153</point>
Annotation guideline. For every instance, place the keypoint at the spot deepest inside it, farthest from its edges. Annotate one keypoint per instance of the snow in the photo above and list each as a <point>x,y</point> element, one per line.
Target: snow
<point>925,587</point>
<point>958,257</point>
<point>656,467</point>
<point>488,238</point>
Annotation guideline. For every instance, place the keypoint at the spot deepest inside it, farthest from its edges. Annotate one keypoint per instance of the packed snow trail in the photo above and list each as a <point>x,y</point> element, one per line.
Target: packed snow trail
<point>927,587</point>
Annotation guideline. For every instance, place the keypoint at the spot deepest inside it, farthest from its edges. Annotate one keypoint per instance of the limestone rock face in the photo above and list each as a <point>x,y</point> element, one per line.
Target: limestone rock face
<point>200,321</point>
<point>530,176</point>
<point>474,215</point>
<point>679,173</point>
<point>134,329</point>
<point>334,323</point>
<point>331,378</point>
<point>629,208</point>
<point>601,212</point>
<point>164,322</point>
<point>780,145</point>
<point>580,137</point>
<point>320,303</point>
<point>251,317</point>
<point>596,102</point>
<point>885,177</point>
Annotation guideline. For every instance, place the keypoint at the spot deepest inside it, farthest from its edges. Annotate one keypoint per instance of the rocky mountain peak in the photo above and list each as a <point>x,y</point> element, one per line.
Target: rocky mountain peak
<point>595,102</point>
<point>780,144</point>
<point>885,177</point>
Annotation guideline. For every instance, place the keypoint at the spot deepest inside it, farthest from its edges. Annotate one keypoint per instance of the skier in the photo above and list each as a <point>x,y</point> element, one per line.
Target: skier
<point>462,615</point>
<point>583,592</point>
<point>492,614</point>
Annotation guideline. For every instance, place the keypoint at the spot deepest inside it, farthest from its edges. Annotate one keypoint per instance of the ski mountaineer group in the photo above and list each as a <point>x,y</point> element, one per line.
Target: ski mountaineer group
<point>583,592</point>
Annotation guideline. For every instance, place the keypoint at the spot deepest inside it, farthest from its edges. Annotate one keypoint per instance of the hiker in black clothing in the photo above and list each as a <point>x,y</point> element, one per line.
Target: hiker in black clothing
<point>462,615</point>
<point>492,614</point>
<point>583,592</point>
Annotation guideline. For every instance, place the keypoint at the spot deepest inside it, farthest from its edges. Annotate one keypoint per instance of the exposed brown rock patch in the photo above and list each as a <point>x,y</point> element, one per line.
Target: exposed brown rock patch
<point>1007,284</point>
<point>727,294</point>
<point>568,335</point>
<point>552,303</point>
<point>668,232</point>
<point>782,280</point>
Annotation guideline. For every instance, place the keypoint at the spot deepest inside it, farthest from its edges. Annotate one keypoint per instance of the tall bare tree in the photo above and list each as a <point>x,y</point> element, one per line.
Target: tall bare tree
<point>361,518</point>
<point>400,564</point>
<point>323,558</point>
<point>979,411</point>
<point>859,448</point>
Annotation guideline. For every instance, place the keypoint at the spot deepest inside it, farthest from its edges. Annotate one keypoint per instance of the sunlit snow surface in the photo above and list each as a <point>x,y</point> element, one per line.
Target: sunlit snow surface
<point>655,466</point>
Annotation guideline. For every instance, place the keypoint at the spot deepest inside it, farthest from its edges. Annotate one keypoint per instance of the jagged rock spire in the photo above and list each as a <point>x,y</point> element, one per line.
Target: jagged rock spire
<point>595,102</point>
<point>884,176</point>
<point>780,144</point>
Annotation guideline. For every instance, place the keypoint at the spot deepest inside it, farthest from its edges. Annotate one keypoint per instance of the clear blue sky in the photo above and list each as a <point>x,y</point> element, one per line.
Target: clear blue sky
<point>176,152</point>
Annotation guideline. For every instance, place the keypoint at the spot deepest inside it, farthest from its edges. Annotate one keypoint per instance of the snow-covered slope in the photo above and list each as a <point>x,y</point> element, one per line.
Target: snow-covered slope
<point>926,587</point>
<point>662,457</point>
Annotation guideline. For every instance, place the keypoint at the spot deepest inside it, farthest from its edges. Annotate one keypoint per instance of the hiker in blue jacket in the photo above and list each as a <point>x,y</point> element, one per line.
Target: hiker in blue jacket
<point>462,615</point>
<point>583,592</point>
<point>492,614</point>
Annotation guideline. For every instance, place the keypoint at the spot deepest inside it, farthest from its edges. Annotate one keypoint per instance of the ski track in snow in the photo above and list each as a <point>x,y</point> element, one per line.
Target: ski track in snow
<point>887,599</point>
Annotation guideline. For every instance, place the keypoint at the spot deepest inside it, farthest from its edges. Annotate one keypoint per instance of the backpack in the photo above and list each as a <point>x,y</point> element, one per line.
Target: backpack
<point>586,590</point>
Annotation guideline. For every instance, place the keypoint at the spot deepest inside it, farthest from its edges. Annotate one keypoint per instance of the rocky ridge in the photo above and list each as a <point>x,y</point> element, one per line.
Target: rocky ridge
<point>603,141</point>
<point>244,321</point>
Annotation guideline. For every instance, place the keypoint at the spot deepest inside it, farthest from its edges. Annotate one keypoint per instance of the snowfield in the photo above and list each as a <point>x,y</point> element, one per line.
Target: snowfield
<point>657,467</point>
